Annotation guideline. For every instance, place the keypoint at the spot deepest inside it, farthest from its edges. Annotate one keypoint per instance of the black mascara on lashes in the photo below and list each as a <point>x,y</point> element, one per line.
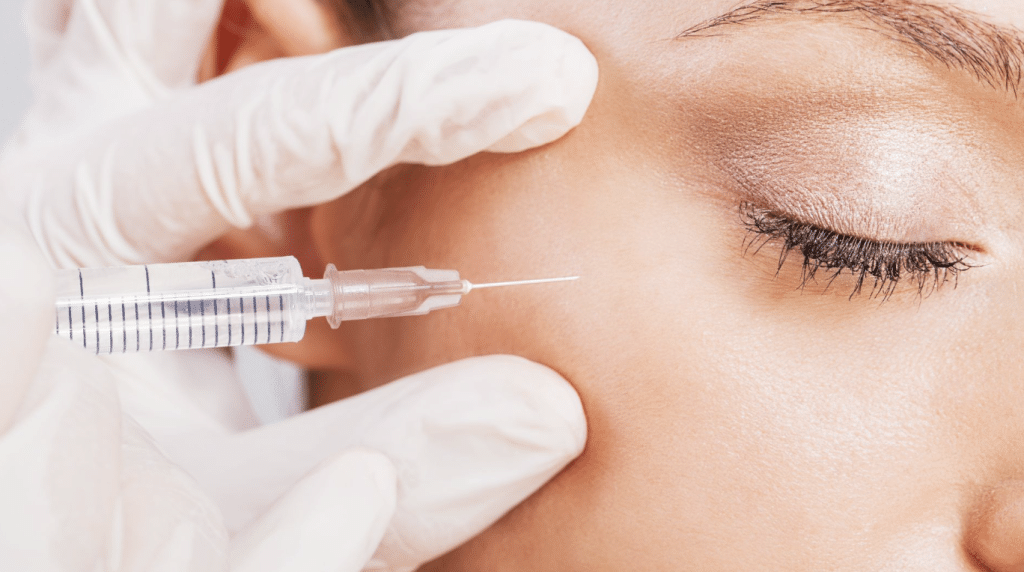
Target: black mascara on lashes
<point>883,264</point>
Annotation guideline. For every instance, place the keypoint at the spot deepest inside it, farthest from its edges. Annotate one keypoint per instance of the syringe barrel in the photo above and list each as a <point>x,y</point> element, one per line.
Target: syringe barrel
<point>182,306</point>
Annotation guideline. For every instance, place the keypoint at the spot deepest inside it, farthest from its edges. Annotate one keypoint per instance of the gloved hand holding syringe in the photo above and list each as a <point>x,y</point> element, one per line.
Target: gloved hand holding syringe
<point>156,460</point>
<point>195,305</point>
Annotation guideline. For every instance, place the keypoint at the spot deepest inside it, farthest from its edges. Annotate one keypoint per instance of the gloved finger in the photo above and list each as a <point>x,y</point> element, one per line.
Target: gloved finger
<point>470,440</point>
<point>26,310</point>
<point>59,466</point>
<point>114,57</point>
<point>45,22</point>
<point>331,521</point>
<point>160,40</point>
<point>302,131</point>
<point>165,522</point>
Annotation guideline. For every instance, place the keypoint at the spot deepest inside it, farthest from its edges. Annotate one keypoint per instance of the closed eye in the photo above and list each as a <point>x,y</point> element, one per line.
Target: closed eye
<point>877,267</point>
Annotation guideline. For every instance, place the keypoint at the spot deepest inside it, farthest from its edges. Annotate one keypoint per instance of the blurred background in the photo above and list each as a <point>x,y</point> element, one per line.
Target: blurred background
<point>276,389</point>
<point>14,90</point>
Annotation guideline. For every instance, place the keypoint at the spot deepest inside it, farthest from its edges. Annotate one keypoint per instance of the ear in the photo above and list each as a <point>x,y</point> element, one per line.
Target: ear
<point>238,40</point>
<point>301,27</point>
<point>253,31</point>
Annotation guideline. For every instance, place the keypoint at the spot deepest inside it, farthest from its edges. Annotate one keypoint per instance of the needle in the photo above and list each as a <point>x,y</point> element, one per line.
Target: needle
<point>471,286</point>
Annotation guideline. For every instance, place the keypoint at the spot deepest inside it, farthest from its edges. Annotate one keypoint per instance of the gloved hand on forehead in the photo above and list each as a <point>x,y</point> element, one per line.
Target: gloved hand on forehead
<point>124,159</point>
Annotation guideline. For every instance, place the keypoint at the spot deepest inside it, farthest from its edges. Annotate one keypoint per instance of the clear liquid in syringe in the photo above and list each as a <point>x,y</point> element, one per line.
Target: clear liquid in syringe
<point>181,306</point>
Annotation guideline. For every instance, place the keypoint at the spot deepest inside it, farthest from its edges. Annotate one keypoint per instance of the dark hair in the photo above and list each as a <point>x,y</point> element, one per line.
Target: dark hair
<point>366,20</point>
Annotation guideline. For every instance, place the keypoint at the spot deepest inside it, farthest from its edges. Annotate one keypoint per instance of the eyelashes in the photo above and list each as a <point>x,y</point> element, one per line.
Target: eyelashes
<point>877,267</point>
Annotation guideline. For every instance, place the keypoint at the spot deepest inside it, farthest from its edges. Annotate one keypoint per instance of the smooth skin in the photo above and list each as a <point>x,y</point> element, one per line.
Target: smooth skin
<point>737,420</point>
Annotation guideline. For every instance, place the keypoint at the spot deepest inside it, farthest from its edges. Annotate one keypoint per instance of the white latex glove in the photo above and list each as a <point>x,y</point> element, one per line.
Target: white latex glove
<point>124,160</point>
<point>83,487</point>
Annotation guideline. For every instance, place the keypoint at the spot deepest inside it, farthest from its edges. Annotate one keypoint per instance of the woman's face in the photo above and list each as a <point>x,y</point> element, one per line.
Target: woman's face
<point>743,414</point>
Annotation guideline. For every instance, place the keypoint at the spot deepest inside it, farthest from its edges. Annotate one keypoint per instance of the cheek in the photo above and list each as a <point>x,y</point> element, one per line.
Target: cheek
<point>631,334</point>
<point>497,218</point>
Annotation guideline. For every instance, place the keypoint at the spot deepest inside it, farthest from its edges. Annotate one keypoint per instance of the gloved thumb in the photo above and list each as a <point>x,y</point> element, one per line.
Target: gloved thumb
<point>97,60</point>
<point>470,440</point>
<point>164,521</point>
<point>26,310</point>
<point>60,465</point>
<point>331,521</point>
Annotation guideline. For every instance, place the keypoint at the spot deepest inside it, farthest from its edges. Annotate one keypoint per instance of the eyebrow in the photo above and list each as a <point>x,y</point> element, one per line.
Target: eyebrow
<point>955,37</point>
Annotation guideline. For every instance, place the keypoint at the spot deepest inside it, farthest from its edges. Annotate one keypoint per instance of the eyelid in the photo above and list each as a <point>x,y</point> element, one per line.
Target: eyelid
<point>884,263</point>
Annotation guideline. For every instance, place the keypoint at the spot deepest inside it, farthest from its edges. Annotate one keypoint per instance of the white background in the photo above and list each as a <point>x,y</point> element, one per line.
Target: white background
<point>14,59</point>
<point>275,388</point>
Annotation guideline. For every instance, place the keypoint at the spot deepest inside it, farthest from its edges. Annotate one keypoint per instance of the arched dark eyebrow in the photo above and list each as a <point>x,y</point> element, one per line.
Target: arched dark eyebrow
<point>955,37</point>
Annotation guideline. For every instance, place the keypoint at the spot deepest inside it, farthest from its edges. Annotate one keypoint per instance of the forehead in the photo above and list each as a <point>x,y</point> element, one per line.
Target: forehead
<point>656,18</point>
<point>1006,12</point>
<point>639,37</point>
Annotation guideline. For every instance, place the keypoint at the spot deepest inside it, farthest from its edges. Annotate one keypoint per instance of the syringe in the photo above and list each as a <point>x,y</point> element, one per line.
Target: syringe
<point>195,305</point>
